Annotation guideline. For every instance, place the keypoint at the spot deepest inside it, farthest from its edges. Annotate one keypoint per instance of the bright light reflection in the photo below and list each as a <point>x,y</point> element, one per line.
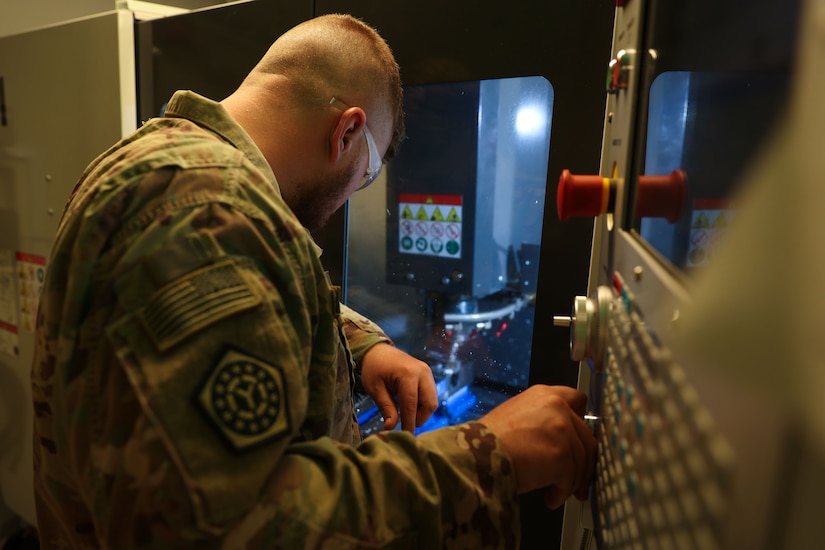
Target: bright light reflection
<point>531,121</point>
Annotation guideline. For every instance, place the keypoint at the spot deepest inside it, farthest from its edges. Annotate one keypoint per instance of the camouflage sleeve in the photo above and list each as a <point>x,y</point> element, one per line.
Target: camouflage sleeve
<point>361,333</point>
<point>451,488</point>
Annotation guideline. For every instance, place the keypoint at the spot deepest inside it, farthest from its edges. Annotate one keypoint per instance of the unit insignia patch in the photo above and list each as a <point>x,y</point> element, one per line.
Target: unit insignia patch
<point>245,399</point>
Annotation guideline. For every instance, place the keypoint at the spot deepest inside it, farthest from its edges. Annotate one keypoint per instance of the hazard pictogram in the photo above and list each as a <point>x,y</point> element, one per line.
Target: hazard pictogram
<point>699,237</point>
<point>701,222</point>
<point>430,225</point>
<point>709,222</point>
<point>720,221</point>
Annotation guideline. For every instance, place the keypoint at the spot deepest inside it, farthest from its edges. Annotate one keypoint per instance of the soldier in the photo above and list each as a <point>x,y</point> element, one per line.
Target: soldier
<point>193,368</point>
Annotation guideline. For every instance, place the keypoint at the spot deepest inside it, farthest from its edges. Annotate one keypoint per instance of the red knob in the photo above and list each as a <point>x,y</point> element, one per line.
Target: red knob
<point>661,196</point>
<point>583,196</point>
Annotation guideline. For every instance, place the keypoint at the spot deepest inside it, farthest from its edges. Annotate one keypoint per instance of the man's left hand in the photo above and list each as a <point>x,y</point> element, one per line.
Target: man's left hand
<point>386,371</point>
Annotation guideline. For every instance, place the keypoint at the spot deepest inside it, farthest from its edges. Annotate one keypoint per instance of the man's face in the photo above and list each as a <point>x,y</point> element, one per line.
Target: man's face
<point>317,199</point>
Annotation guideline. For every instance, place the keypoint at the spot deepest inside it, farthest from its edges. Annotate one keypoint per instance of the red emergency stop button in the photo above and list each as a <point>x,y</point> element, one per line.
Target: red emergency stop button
<point>584,196</point>
<point>661,196</point>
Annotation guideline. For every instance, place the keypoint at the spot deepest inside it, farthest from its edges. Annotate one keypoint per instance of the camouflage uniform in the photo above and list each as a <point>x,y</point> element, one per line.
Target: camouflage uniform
<point>193,371</point>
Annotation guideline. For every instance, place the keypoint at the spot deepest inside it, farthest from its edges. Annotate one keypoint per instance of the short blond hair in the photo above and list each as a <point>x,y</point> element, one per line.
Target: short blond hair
<point>339,55</point>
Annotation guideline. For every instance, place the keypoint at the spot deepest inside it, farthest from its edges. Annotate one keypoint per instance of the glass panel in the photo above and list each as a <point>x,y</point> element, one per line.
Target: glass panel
<point>716,78</point>
<point>709,125</point>
<point>443,248</point>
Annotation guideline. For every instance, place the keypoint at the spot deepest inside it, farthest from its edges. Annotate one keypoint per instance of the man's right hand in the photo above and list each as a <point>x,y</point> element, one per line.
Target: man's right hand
<point>543,431</point>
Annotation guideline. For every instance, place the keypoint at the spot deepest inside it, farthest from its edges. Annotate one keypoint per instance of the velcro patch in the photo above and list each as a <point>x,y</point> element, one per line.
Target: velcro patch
<point>245,399</point>
<point>195,301</point>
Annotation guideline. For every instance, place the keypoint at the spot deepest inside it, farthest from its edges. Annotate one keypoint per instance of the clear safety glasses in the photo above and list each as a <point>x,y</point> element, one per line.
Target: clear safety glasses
<point>374,159</point>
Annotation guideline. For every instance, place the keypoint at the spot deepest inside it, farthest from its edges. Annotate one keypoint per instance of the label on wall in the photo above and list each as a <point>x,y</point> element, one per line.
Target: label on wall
<point>8,304</point>
<point>430,225</point>
<point>31,270</point>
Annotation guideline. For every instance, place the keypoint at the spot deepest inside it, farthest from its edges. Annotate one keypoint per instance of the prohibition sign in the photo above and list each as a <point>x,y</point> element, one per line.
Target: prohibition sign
<point>699,238</point>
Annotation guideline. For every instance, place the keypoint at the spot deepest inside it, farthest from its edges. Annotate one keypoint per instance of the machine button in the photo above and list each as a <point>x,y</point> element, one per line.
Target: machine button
<point>618,72</point>
<point>591,195</point>
<point>584,196</point>
<point>661,196</point>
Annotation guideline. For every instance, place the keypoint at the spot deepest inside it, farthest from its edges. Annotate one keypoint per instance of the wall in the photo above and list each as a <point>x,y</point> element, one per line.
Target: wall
<point>22,15</point>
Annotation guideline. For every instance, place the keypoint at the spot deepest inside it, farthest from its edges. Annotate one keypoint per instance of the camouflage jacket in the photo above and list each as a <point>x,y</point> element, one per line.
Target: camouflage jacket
<point>193,369</point>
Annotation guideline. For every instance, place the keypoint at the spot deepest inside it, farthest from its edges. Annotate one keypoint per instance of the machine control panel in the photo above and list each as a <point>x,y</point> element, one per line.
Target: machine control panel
<point>663,469</point>
<point>694,451</point>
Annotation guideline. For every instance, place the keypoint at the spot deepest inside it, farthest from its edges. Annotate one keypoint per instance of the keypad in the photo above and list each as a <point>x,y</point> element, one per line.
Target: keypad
<point>663,469</point>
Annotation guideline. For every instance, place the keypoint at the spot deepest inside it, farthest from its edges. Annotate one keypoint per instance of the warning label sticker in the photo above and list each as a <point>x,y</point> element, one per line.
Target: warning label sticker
<point>708,224</point>
<point>430,225</point>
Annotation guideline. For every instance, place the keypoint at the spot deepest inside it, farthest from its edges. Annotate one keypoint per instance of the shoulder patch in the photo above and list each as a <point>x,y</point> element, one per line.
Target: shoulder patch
<point>245,400</point>
<point>196,301</point>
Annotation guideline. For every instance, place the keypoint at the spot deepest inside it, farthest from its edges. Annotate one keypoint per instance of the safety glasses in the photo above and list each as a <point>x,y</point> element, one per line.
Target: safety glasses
<point>374,159</point>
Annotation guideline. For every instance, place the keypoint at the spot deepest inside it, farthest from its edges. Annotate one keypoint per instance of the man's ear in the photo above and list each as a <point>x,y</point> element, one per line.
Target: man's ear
<point>345,133</point>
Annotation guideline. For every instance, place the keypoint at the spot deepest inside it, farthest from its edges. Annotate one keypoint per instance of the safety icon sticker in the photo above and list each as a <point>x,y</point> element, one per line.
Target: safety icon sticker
<point>430,225</point>
<point>31,273</point>
<point>708,224</point>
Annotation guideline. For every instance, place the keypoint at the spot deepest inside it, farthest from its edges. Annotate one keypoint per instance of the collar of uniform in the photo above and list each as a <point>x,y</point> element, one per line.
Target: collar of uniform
<point>213,116</point>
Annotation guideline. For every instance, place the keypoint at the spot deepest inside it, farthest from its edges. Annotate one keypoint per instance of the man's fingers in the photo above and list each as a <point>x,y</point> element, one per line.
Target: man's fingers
<point>386,406</point>
<point>588,460</point>
<point>408,404</point>
<point>553,497</point>
<point>423,414</point>
<point>427,400</point>
<point>576,399</point>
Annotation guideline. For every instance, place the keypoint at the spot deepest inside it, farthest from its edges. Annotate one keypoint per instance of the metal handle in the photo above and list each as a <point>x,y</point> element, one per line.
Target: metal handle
<point>562,321</point>
<point>587,325</point>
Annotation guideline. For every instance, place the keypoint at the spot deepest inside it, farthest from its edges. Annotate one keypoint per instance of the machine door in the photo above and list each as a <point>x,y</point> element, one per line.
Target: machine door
<point>444,251</point>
